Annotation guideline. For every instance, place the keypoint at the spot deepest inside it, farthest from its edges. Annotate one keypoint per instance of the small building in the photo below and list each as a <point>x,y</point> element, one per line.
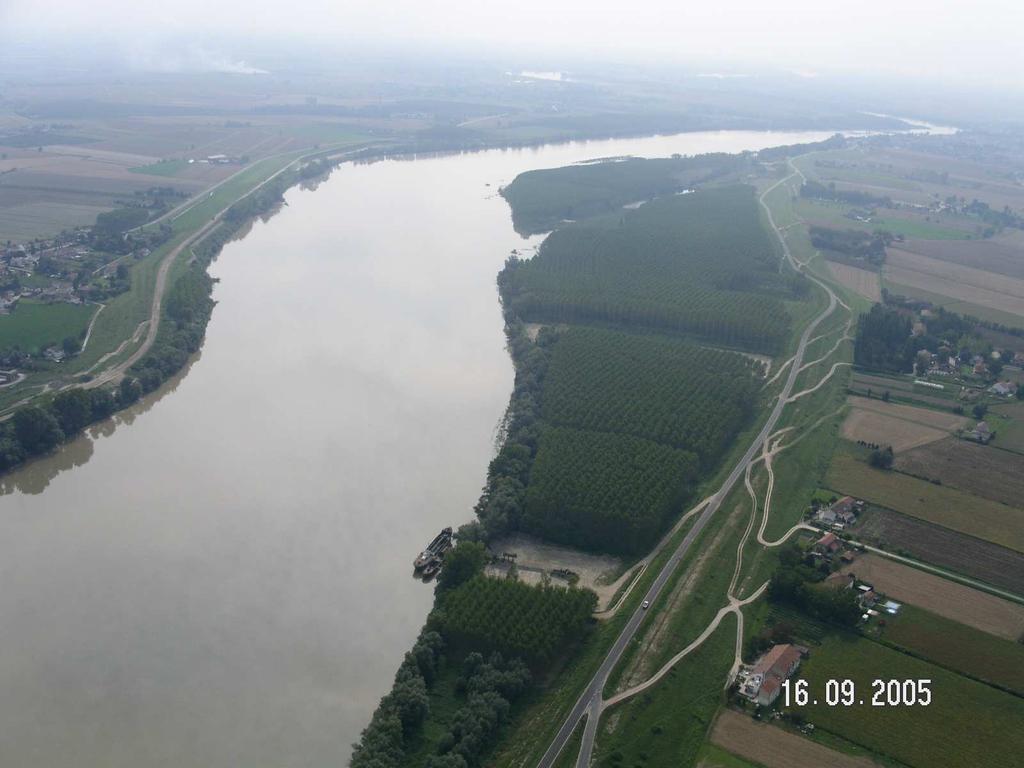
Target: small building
<point>980,434</point>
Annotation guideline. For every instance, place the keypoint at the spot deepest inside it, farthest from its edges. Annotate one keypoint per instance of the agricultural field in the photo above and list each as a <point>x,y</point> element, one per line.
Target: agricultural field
<point>863,282</point>
<point>830,214</point>
<point>901,426</point>
<point>1002,255</point>
<point>961,283</point>
<point>943,597</point>
<point>944,641</point>
<point>773,747</point>
<point>700,264</point>
<point>598,490</point>
<point>930,543</point>
<point>34,325</point>
<point>1011,432</point>
<point>902,389</point>
<point>966,724</point>
<point>649,386</point>
<point>983,471</point>
<point>938,504</point>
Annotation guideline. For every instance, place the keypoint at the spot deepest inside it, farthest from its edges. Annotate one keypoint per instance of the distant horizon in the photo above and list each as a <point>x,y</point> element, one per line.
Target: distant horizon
<point>830,38</point>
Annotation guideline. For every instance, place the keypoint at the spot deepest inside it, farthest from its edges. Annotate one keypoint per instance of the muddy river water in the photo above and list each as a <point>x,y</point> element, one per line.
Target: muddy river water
<point>222,575</point>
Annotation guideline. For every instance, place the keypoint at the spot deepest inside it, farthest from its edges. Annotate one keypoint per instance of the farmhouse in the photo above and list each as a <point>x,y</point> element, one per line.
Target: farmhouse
<point>980,434</point>
<point>1002,388</point>
<point>764,680</point>
<point>828,544</point>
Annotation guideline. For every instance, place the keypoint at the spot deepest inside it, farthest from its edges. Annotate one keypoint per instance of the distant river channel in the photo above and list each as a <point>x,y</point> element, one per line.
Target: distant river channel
<point>222,576</point>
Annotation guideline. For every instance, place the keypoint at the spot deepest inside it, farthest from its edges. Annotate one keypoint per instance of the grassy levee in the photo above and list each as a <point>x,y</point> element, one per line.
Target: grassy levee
<point>668,723</point>
<point>676,623</point>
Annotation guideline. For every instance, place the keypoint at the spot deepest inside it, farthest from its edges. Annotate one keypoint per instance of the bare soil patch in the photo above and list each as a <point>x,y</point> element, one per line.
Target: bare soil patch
<point>596,572</point>
<point>930,543</point>
<point>775,748</point>
<point>946,598</point>
<point>861,281</point>
<point>982,470</point>
<point>901,426</point>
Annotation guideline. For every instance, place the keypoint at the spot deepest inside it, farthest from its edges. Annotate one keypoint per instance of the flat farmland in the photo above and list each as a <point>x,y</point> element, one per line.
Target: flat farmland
<point>902,388</point>
<point>33,325</point>
<point>773,747</point>
<point>930,543</point>
<point>1001,255</point>
<point>975,286</point>
<point>966,725</point>
<point>25,222</point>
<point>901,426</point>
<point>943,597</point>
<point>1011,434</point>
<point>863,282</point>
<point>936,638</point>
<point>938,504</point>
<point>982,470</point>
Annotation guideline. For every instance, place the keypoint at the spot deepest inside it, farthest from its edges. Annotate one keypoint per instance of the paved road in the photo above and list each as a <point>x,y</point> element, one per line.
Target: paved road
<point>590,701</point>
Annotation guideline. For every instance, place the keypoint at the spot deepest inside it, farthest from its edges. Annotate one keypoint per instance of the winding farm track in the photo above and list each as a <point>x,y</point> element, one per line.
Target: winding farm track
<point>591,702</point>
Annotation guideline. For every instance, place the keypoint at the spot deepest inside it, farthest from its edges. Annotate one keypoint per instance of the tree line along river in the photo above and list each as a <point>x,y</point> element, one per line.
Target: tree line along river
<point>221,575</point>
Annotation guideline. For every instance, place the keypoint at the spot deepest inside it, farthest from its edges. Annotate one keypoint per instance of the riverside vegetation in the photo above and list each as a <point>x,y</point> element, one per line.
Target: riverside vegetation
<point>37,429</point>
<point>628,395</point>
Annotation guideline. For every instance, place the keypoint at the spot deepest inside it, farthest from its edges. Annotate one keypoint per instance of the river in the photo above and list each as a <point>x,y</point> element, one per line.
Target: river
<point>221,576</point>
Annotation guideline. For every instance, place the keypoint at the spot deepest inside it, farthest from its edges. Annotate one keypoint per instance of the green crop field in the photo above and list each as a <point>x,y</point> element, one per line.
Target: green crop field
<point>967,724</point>
<point>33,325</point>
<point>938,504</point>
<point>163,168</point>
<point>958,647</point>
<point>1011,435</point>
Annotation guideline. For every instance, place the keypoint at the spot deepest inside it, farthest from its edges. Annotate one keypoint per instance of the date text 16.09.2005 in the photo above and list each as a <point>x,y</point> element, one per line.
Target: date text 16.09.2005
<point>844,693</point>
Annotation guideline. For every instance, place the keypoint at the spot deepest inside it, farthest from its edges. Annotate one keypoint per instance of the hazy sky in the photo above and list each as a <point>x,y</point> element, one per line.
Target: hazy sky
<point>961,40</point>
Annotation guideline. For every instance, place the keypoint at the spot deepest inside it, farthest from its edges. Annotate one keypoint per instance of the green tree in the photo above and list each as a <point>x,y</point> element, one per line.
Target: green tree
<point>461,563</point>
<point>979,411</point>
<point>130,390</point>
<point>73,409</point>
<point>37,430</point>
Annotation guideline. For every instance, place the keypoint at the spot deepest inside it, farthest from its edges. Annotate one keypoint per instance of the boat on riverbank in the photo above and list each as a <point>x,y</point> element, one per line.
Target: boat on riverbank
<point>430,558</point>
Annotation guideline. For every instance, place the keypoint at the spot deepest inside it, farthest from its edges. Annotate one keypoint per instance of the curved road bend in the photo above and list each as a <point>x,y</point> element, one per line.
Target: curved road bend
<point>590,701</point>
